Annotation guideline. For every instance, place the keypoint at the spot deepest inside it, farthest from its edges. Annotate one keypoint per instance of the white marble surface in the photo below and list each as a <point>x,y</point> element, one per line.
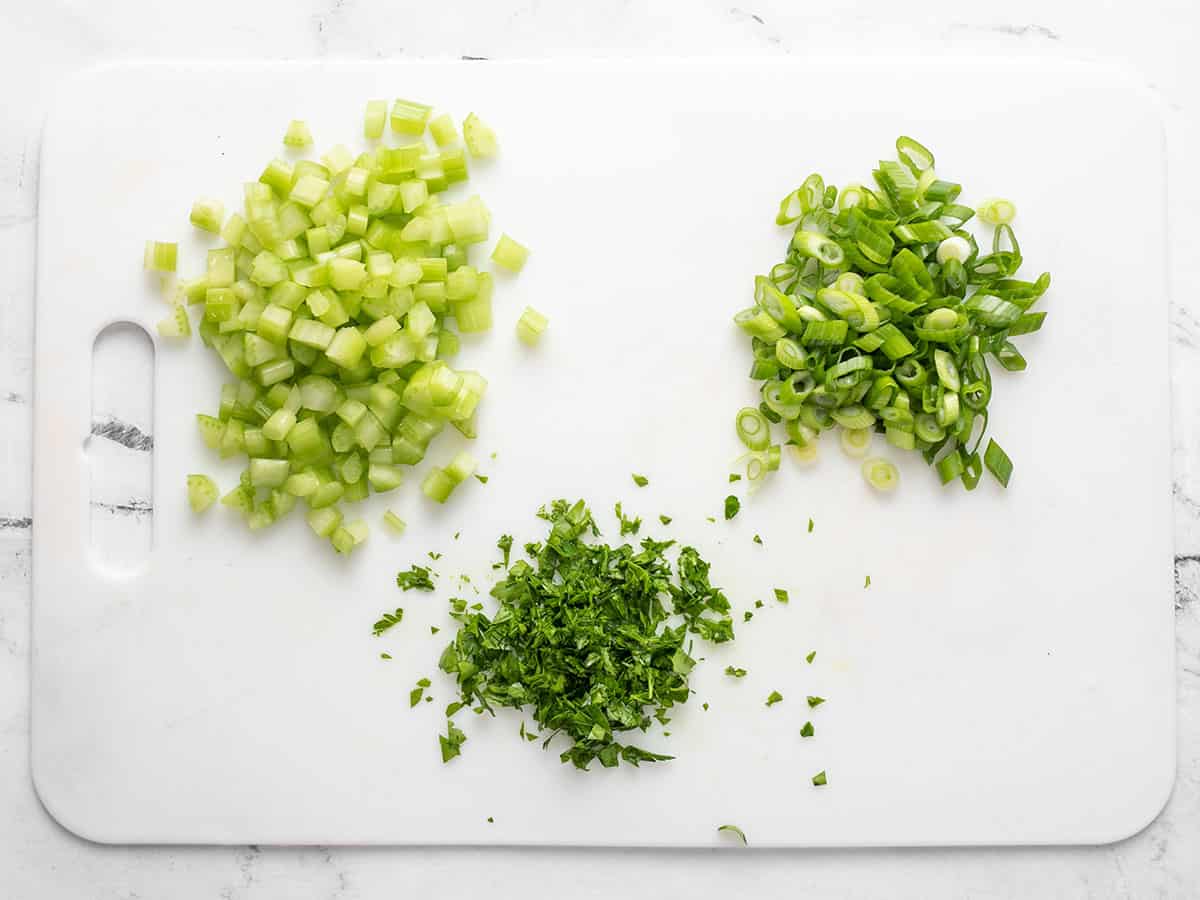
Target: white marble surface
<point>38,859</point>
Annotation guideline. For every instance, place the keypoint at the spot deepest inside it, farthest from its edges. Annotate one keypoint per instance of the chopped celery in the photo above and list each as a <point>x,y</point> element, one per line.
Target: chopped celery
<point>297,134</point>
<point>409,117</point>
<point>375,119</point>
<point>207,215</point>
<point>159,256</point>
<point>443,130</point>
<point>394,522</point>
<point>509,254</point>
<point>531,325</point>
<point>177,324</point>
<point>479,138</point>
<point>202,492</point>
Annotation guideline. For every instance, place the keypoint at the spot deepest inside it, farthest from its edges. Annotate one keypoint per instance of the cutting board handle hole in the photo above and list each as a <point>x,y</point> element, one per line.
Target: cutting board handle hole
<point>120,449</point>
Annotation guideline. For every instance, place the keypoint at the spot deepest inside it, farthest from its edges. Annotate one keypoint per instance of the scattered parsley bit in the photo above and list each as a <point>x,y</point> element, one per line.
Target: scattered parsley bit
<point>734,830</point>
<point>732,505</point>
<point>528,735</point>
<point>774,697</point>
<point>735,672</point>
<point>505,545</point>
<point>424,682</point>
<point>385,656</point>
<point>757,540</point>
<point>820,779</point>
<point>433,629</point>
<point>666,520</point>
<point>810,526</point>
<point>415,695</point>
<point>491,821</point>
<point>733,476</point>
<point>747,616</point>
<point>434,556</point>
<point>587,620</point>
<point>452,708</point>
<point>807,730</point>
<point>814,702</point>
<point>456,534</point>
<point>641,480</point>
<point>451,742</point>
<point>867,583</point>
<point>416,579</point>
<point>428,699</point>
<point>704,706</point>
<point>628,526</point>
<point>758,604</point>
<point>386,621</point>
<point>482,479</point>
<point>493,455</point>
<point>811,656</point>
<point>781,595</point>
<point>711,519</point>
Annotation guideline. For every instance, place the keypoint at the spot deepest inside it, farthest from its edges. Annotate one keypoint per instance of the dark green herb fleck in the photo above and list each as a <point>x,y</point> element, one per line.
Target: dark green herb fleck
<point>774,697</point>
<point>732,505</point>
<point>415,695</point>
<point>810,526</point>
<point>811,656</point>
<point>451,742</point>
<point>641,480</point>
<point>814,702</point>
<point>747,616</point>
<point>482,479</point>
<point>386,621</point>
<point>735,831</point>
<point>505,544</point>
<point>628,526</point>
<point>733,476</point>
<point>416,579</point>
<point>758,540</point>
<point>781,595</point>
<point>666,520</point>
<point>807,730</point>
<point>735,672</point>
<point>820,779</point>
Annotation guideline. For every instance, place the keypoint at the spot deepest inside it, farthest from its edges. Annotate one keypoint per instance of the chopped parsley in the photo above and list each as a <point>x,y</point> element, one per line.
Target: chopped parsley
<point>704,706</point>
<point>505,545</point>
<point>385,656</point>
<point>811,656</point>
<point>415,695</point>
<point>781,595</point>
<point>733,476</point>
<point>747,616</point>
<point>451,742</point>
<point>735,672</point>
<point>867,583</point>
<point>482,479</point>
<point>583,620</point>
<point>641,480</point>
<point>416,579</point>
<point>820,779</point>
<point>434,556</point>
<point>386,621</point>
<point>774,697</point>
<point>757,540</point>
<point>666,520</point>
<point>433,629</point>
<point>814,702</point>
<point>628,526</point>
<point>807,730</point>
<point>491,820</point>
<point>758,604</point>
<point>810,526</point>
<point>732,505</point>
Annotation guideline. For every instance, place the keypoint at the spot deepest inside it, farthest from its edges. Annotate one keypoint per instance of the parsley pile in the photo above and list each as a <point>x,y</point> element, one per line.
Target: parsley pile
<point>594,639</point>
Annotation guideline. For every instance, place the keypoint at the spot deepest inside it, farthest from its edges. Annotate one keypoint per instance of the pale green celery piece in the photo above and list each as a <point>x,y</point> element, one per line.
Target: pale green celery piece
<point>343,540</point>
<point>479,138</point>
<point>461,468</point>
<point>475,315</point>
<point>530,326</point>
<point>177,324</point>
<point>338,159</point>
<point>356,492</point>
<point>351,411</point>
<point>468,222</point>
<point>433,295</point>
<point>447,344</point>
<point>413,194</point>
<point>358,530</point>
<point>276,371</point>
<point>346,274</point>
<point>211,430</point>
<point>327,494</point>
<point>380,265</point>
<point>293,221</point>
<point>202,492</point>
<point>277,176</point>
<point>510,254</point>
<point>375,119</point>
<point>318,240</point>
<point>282,503</point>
<point>258,350</point>
<point>433,269</point>
<point>268,269</point>
<point>462,284</point>
<point>233,230</point>
<point>241,498</point>
<point>437,485</point>
<point>384,477</point>
<point>420,320</point>
<point>274,322</point>
<point>369,433</point>
<point>417,230</point>
<point>287,294</point>
<point>281,421</point>
<point>342,440</point>
<point>221,265</point>
<point>309,190</point>
<point>325,520</point>
<point>207,214</point>
<point>394,522</point>
<point>297,134</point>
<point>302,484</point>
<point>356,183</point>
<point>443,130</point>
<point>347,347</point>
<point>409,117</point>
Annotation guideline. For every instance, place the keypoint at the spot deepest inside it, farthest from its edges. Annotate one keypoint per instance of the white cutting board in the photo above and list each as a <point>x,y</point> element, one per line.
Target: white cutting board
<point>1008,675</point>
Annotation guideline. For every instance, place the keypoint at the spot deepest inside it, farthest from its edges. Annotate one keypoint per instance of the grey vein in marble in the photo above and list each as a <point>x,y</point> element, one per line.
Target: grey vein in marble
<point>123,433</point>
<point>128,508</point>
<point>17,523</point>
<point>1012,30</point>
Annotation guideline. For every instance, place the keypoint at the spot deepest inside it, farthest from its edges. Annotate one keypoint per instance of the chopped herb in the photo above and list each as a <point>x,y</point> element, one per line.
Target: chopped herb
<point>385,656</point>
<point>757,540</point>
<point>452,708</point>
<point>704,706</point>
<point>451,742</point>
<point>528,735</point>
<point>807,730</point>
<point>774,697</point>
<point>415,695</point>
<point>666,520</point>
<point>733,476</point>
<point>814,702</point>
<point>424,682</point>
<point>811,656</point>
<point>482,479</point>
<point>583,620</point>
<point>810,526</point>
<point>628,526</point>
<point>505,545</point>
<point>493,456</point>
<point>820,779</point>
<point>747,616</point>
<point>781,595</point>
<point>758,604</point>
<point>711,518</point>
<point>734,830</point>
<point>867,583</point>
<point>456,534</point>
<point>735,672</point>
<point>433,629</point>
<point>641,480</point>
<point>732,505</point>
<point>434,556</point>
<point>386,621</point>
<point>416,579</point>
<point>491,821</point>
<point>428,699</point>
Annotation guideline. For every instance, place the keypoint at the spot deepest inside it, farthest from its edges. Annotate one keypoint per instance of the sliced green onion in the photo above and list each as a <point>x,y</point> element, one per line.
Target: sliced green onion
<point>996,211</point>
<point>881,474</point>
<point>815,245</point>
<point>997,462</point>
<point>753,429</point>
<point>856,441</point>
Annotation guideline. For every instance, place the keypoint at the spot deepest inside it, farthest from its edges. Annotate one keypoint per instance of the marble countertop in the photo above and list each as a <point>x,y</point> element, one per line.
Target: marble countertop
<point>38,46</point>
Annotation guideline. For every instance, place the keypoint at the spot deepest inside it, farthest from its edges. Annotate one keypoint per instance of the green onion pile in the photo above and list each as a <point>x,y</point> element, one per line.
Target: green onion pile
<point>881,319</point>
<point>583,635</point>
<point>330,303</point>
